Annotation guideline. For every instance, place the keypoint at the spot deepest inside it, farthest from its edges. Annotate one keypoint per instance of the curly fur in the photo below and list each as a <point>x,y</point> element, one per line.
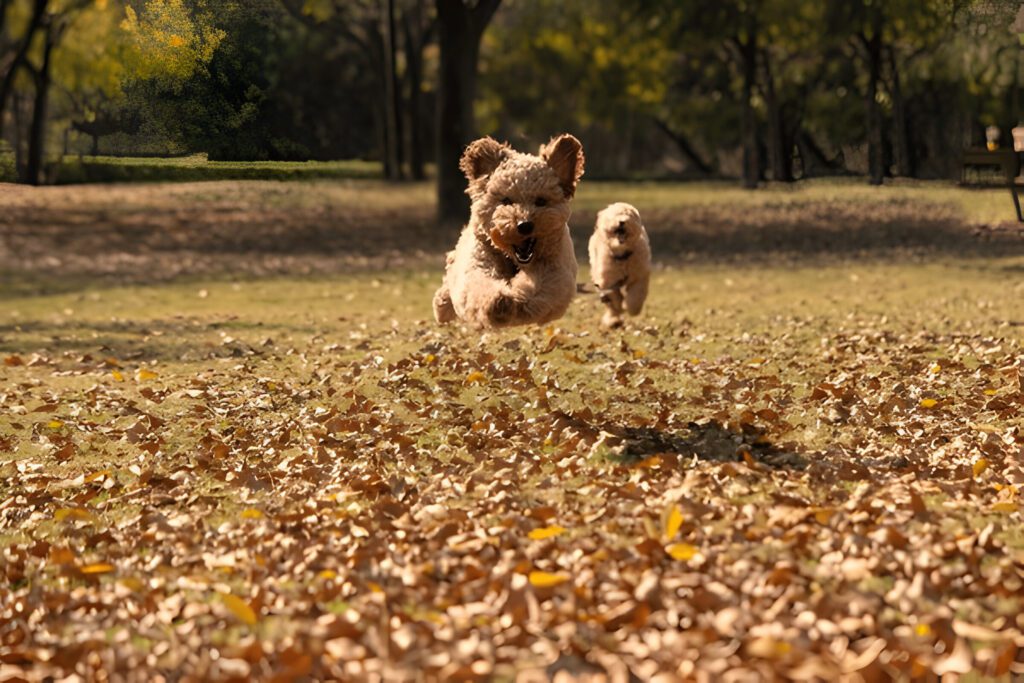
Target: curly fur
<point>520,207</point>
<point>620,261</point>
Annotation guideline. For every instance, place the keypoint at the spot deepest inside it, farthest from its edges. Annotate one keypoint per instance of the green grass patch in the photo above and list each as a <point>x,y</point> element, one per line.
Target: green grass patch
<point>196,167</point>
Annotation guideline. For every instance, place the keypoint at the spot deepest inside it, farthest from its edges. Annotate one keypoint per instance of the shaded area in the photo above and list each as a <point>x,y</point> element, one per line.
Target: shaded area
<point>820,229</point>
<point>137,234</point>
<point>707,440</point>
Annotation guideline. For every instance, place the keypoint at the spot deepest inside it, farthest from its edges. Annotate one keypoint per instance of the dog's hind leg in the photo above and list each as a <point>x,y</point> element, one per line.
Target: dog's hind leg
<point>636,294</point>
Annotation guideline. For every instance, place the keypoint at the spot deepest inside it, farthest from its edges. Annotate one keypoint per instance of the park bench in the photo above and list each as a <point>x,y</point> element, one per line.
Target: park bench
<point>1005,159</point>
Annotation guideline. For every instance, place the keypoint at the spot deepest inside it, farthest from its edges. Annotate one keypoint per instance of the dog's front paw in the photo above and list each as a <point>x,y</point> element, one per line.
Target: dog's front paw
<point>444,310</point>
<point>502,311</point>
<point>611,321</point>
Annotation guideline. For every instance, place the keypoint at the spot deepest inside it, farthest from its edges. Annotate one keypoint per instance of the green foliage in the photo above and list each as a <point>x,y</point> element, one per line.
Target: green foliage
<point>168,41</point>
<point>602,62</point>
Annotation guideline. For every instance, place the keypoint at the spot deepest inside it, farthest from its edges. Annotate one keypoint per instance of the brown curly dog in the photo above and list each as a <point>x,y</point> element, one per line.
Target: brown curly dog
<point>620,261</point>
<point>514,262</point>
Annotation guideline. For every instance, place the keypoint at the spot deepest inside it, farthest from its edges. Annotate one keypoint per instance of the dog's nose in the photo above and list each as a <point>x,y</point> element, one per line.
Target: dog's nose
<point>525,228</point>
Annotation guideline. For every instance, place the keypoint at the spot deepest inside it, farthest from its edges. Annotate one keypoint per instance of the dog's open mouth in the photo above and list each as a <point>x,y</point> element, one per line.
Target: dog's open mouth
<point>524,251</point>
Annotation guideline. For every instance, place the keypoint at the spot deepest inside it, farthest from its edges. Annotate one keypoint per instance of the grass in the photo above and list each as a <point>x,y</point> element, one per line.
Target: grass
<point>196,167</point>
<point>314,444</point>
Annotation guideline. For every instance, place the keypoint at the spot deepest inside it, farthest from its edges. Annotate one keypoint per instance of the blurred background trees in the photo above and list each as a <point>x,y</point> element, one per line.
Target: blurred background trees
<point>752,89</point>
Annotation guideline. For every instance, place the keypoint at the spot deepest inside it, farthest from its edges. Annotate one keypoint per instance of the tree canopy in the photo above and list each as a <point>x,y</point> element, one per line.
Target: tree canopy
<point>763,90</point>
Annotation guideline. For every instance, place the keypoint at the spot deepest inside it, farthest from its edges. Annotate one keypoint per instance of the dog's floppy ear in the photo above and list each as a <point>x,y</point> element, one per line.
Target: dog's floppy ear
<point>482,157</point>
<point>565,155</point>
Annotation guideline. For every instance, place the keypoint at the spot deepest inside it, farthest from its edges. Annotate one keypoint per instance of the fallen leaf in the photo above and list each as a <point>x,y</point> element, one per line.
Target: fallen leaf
<point>672,519</point>
<point>681,551</point>
<point>240,608</point>
<point>546,532</point>
<point>980,465</point>
<point>928,403</point>
<point>97,568</point>
<point>143,375</point>
<point>72,515</point>
<point>547,579</point>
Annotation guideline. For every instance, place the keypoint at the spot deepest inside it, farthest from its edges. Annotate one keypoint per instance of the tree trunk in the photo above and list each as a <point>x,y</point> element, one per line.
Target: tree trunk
<point>20,55</point>
<point>40,111</point>
<point>685,148</point>
<point>904,160</point>
<point>779,153</point>
<point>751,145</point>
<point>392,95</point>
<point>876,138</point>
<point>18,138</point>
<point>814,160</point>
<point>460,29</point>
<point>412,23</point>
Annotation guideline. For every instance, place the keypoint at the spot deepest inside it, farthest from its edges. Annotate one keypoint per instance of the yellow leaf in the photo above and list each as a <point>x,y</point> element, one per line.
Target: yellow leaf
<point>327,574</point>
<point>55,424</point>
<point>990,392</point>
<point>928,403</point>
<point>430,359</point>
<point>980,465</point>
<point>97,475</point>
<point>240,608</point>
<point>251,513</point>
<point>476,377</point>
<point>133,584</point>
<point>923,630</point>
<point>1004,506</point>
<point>935,369</point>
<point>73,514</point>
<point>374,587</point>
<point>142,375</point>
<point>547,579</point>
<point>546,532</point>
<point>61,555</point>
<point>671,520</point>
<point>824,515</point>
<point>638,354</point>
<point>97,568</point>
<point>681,551</point>
<point>116,374</point>
<point>649,462</point>
<point>1008,487</point>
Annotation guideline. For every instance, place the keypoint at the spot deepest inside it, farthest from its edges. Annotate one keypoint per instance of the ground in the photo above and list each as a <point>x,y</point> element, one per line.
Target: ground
<point>234,445</point>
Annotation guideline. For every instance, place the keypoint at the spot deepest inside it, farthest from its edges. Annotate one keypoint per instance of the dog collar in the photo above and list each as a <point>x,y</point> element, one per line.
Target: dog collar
<point>623,257</point>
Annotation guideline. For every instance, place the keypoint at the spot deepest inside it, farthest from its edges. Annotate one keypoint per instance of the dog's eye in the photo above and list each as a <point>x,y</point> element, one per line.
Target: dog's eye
<point>540,201</point>
<point>505,201</point>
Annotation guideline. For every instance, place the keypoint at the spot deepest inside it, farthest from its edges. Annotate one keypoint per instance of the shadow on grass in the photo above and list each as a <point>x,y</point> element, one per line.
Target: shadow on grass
<point>820,231</point>
<point>152,340</point>
<point>707,440</point>
<point>119,235</point>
